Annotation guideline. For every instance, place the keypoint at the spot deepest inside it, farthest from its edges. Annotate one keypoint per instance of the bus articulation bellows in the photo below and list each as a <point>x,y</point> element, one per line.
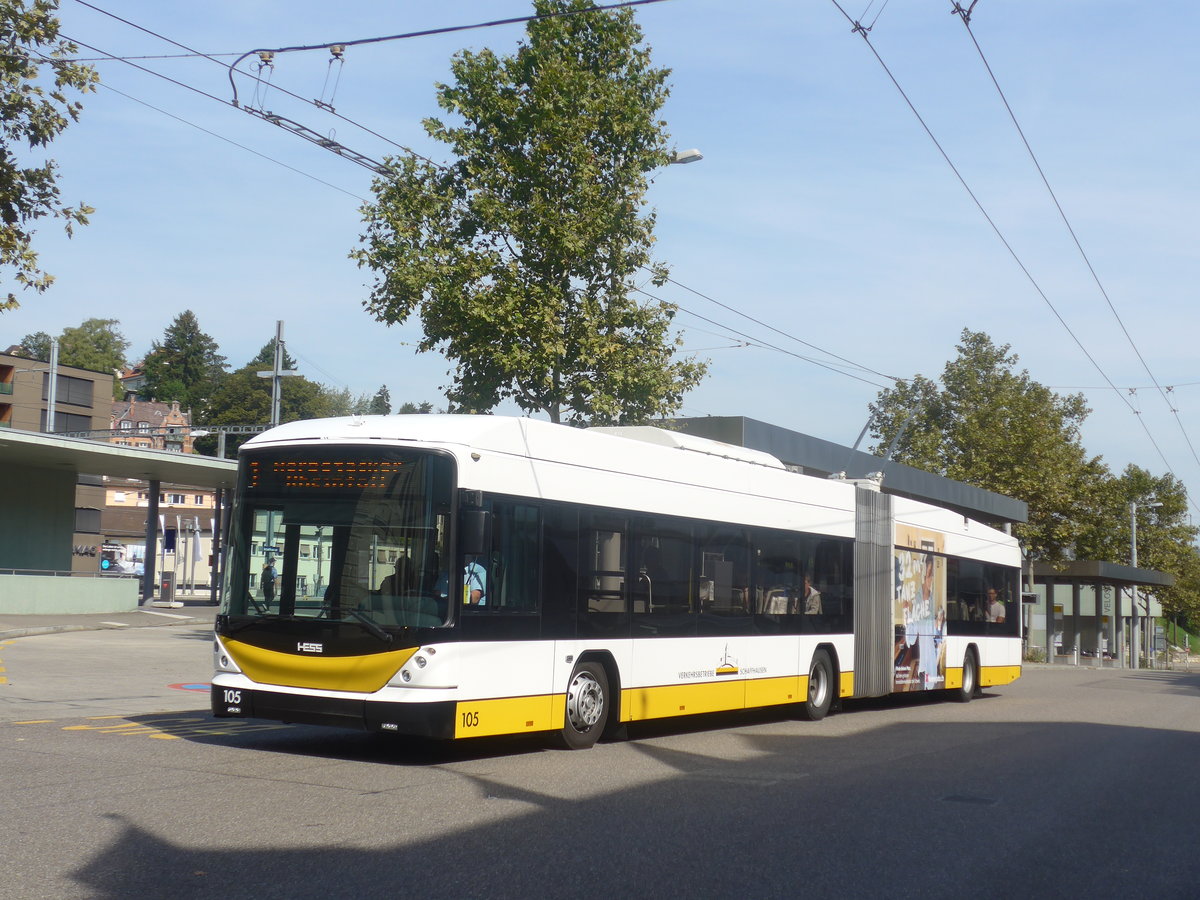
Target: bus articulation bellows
<point>462,576</point>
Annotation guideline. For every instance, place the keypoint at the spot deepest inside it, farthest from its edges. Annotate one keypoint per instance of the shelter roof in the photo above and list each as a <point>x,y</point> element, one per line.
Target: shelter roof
<point>46,451</point>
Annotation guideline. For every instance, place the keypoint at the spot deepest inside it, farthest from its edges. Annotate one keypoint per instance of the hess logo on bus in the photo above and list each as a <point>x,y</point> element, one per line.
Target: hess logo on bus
<point>310,647</point>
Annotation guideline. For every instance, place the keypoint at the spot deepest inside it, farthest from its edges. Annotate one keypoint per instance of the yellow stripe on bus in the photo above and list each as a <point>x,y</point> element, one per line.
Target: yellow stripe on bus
<point>989,676</point>
<point>992,675</point>
<point>361,674</point>
<point>509,715</point>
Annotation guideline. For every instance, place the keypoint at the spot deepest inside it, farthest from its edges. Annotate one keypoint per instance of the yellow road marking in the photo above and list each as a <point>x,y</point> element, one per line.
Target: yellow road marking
<point>174,728</point>
<point>35,722</point>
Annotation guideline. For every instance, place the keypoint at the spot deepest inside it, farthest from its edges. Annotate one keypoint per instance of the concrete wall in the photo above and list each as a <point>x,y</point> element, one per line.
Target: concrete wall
<point>37,518</point>
<point>23,595</point>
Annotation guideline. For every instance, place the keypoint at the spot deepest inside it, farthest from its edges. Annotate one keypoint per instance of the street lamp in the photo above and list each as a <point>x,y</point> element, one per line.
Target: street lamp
<point>683,157</point>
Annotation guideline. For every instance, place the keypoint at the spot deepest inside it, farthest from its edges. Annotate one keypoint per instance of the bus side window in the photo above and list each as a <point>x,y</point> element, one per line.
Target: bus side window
<point>514,561</point>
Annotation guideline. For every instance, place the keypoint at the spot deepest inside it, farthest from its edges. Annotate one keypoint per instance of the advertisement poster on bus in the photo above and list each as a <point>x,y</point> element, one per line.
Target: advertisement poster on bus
<point>919,610</point>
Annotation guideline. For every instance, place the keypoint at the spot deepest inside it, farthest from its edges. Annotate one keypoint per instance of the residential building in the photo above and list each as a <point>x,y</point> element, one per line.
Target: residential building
<point>151,425</point>
<point>82,402</point>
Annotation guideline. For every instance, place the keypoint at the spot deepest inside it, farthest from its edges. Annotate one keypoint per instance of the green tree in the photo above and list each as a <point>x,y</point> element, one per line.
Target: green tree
<point>408,409</point>
<point>521,255</point>
<point>341,402</point>
<point>1165,536</point>
<point>185,366</point>
<point>95,344</point>
<point>243,398</point>
<point>381,403</point>
<point>266,356</point>
<point>994,427</point>
<point>34,346</point>
<point>35,75</point>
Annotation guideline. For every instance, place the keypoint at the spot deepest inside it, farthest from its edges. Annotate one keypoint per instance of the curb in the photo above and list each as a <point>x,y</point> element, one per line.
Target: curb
<point>34,630</point>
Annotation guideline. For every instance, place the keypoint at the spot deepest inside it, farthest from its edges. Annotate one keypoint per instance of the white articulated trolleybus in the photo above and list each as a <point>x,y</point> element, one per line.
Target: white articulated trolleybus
<point>461,576</point>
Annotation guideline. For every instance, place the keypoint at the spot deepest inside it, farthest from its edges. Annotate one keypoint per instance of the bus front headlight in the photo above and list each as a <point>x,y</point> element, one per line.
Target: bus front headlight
<point>222,661</point>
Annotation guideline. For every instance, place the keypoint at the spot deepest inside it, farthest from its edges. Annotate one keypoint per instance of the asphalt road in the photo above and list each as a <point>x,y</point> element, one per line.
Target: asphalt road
<point>116,783</point>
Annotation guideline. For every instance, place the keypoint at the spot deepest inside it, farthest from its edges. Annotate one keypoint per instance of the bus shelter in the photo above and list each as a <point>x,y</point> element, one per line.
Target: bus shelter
<point>1094,613</point>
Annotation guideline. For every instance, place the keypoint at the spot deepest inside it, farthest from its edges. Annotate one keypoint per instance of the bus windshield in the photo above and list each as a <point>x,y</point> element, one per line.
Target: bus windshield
<point>342,534</point>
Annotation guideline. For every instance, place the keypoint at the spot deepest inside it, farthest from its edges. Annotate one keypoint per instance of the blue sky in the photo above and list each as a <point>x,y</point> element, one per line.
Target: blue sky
<point>821,207</point>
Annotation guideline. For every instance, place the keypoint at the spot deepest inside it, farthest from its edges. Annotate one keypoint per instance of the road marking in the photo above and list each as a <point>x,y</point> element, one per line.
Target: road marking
<point>35,722</point>
<point>171,728</point>
<point>116,624</point>
<point>151,612</point>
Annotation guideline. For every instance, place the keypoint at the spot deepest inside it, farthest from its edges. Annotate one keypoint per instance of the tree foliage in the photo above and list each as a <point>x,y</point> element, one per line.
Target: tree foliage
<point>1165,536</point>
<point>34,79</point>
<point>34,346</point>
<point>94,344</point>
<point>243,398</point>
<point>266,356</point>
<point>408,408</point>
<point>521,255</point>
<point>994,427</point>
<point>186,365</point>
<point>381,403</point>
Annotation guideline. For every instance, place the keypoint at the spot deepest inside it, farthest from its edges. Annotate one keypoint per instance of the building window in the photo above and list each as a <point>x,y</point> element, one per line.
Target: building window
<point>118,497</point>
<point>176,499</point>
<point>143,426</point>
<point>199,499</point>
<point>126,425</point>
<point>75,391</point>
<point>87,521</point>
<point>67,421</point>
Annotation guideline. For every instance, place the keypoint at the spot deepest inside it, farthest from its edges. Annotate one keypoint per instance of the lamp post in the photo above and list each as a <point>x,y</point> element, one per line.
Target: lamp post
<point>683,157</point>
<point>1150,503</point>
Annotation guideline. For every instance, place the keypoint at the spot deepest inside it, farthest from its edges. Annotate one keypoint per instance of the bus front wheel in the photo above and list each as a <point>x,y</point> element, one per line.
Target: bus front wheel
<point>587,707</point>
<point>820,688</point>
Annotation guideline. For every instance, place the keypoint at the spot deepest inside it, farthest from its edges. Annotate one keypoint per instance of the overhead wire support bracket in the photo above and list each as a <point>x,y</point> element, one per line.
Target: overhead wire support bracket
<point>319,139</point>
<point>964,14</point>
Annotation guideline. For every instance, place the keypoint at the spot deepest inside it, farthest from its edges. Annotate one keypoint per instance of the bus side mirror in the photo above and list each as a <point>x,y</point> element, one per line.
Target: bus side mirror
<point>475,532</point>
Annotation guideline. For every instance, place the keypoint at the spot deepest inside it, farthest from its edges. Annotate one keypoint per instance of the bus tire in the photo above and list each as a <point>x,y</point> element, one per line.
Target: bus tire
<point>820,688</point>
<point>587,707</point>
<point>970,678</point>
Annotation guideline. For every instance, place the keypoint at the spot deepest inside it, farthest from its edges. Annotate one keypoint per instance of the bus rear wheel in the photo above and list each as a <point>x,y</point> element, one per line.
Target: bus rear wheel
<point>970,678</point>
<point>820,688</point>
<point>587,707</point>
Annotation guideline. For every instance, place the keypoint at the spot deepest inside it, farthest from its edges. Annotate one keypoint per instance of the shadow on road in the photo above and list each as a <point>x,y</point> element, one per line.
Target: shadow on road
<point>924,810</point>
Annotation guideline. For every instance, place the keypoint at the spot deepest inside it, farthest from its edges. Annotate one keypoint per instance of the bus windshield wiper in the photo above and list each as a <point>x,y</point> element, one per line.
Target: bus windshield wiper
<point>370,625</point>
<point>366,621</point>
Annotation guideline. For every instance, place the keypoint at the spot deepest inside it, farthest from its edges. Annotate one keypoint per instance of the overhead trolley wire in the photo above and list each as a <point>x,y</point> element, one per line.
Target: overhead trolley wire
<point>233,142</point>
<point>780,332</point>
<point>965,16</point>
<point>234,104</point>
<point>759,343</point>
<point>858,28</point>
